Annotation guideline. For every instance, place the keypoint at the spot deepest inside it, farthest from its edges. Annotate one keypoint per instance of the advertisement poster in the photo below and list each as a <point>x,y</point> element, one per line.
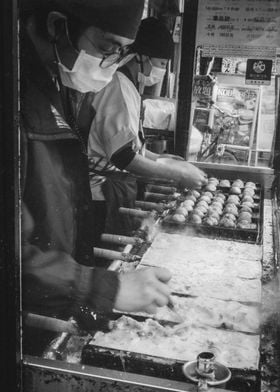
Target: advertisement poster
<point>236,112</point>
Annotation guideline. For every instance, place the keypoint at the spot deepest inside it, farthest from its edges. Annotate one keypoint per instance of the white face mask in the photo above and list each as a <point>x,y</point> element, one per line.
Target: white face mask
<point>86,74</point>
<point>156,76</point>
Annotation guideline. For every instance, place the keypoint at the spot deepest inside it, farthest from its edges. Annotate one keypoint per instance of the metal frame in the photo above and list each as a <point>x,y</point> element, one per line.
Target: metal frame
<point>185,77</point>
<point>50,376</point>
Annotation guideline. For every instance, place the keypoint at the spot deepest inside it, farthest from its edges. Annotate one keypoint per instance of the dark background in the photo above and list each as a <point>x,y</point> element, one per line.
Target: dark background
<point>9,270</point>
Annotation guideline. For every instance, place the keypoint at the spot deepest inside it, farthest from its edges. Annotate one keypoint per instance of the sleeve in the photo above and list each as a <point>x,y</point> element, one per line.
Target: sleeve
<point>55,285</point>
<point>117,117</point>
<point>122,158</point>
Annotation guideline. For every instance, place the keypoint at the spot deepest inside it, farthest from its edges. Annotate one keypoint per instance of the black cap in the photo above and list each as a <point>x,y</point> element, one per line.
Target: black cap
<point>120,17</point>
<point>154,39</point>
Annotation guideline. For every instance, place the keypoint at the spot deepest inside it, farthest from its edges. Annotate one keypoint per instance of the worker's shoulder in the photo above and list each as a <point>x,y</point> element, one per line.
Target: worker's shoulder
<point>118,93</point>
<point>128,89</point>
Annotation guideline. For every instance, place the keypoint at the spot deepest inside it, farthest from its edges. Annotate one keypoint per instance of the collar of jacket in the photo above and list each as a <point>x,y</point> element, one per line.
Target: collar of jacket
<point>41,104</point>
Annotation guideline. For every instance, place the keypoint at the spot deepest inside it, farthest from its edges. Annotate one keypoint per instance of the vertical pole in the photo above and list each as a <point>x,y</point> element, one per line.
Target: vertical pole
<point>186,77</point>
<point>9,228</point>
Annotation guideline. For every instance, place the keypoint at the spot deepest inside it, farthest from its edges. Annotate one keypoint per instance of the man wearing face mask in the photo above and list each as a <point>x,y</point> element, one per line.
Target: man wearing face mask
<point>116,142</point>
<point>70,48</point>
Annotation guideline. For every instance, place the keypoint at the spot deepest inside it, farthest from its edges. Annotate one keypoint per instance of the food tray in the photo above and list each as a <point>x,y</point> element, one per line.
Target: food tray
<point>251,234</point>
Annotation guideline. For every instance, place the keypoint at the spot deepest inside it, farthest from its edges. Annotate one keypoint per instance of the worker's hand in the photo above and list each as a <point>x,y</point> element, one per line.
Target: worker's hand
<point>191,177</point>
<point>143,290</point>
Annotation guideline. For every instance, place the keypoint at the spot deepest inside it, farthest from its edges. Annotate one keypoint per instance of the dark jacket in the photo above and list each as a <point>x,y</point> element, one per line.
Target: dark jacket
<point>56,196</point>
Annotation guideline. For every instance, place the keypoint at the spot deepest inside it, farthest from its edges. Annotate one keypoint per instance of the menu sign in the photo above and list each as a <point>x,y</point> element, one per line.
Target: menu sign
<point>231,25</point>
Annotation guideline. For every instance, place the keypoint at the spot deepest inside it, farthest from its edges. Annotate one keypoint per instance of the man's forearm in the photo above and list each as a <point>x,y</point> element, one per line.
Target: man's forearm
<point>146,167</point>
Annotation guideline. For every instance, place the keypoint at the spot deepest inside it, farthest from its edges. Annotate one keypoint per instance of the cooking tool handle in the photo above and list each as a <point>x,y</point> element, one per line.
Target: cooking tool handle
<point>120,239</point>
<point>50,323</point>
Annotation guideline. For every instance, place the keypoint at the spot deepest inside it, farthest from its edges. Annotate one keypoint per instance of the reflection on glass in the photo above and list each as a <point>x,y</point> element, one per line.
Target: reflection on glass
<point>233,122</point>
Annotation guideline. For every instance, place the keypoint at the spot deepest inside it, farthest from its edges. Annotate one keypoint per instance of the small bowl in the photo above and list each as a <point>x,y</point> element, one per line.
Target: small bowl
<point>222,373</point>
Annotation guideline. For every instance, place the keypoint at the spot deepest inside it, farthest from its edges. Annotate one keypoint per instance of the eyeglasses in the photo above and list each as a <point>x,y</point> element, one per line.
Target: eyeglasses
<point>111,58</point>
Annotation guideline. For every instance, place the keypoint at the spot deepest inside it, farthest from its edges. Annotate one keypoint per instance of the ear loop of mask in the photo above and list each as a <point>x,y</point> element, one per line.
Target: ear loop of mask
<point>141,84</point>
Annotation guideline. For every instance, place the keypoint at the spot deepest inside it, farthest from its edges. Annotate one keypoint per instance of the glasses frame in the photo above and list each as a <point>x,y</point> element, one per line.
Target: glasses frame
<point>110,59</point>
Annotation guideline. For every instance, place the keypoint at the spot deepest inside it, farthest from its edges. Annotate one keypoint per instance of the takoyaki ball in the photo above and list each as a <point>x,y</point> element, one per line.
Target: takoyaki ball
<point>217,204</point>
<point>213,180</point>
<point>188,203</point>
<point>181,211</point>
<point>243,224</point>
<point>195,193</point>
<point>250,184</point>
<point>234,199</point>
<point>206,198</point>
<point>248,198</point>
<point>233,205</point>
<point>225,183</point>
<point>231,209</point>
<point>246,209</point>
<point>235,190</point>
<point>216,209</point>
<point>228,215</point>
<point>225,222</point>
<point>247,204</point>
<point>214,214</point>
<point>245,216</point>
<point>201,208</point>
<point>220,195</point>
<point>188,207</point>
<point>191,197</point>
<point>196,219</point>
<point>202,203</point>
<point>178,218</point>
<point>238,183</point>
<point>218,200</point>
<point>198,212</point>
<point>248,192</point>
<point>211,187</point>
<point>209,194</point>
<point>211,221</point>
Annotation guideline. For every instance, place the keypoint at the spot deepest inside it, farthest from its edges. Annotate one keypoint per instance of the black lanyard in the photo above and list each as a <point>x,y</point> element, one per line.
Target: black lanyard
<point>68,108</point>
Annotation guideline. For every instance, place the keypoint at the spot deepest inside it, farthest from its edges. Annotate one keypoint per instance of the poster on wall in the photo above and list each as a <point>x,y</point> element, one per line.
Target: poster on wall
<point>239,28</point>
<point>237,113</point>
